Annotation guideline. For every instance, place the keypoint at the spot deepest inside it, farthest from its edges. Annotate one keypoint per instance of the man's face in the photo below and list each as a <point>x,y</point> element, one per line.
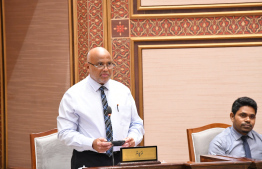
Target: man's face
<point>100,75</point>
<point>244,119</point>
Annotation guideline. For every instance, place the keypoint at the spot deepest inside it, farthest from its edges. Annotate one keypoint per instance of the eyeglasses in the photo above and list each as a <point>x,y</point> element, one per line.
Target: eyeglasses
<point>109,65</point>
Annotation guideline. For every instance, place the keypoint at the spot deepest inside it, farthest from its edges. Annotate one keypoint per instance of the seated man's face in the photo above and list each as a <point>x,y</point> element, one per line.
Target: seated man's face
<point>244,119</point>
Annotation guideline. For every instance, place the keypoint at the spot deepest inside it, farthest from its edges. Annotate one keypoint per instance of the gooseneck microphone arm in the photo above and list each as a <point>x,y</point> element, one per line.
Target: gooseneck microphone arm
<point>109,112</point>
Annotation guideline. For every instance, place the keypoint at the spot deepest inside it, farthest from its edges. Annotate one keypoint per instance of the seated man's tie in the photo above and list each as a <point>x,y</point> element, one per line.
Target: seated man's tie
<point>246,146</point>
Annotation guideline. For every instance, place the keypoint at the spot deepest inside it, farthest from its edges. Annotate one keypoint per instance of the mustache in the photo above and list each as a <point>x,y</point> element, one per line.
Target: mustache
<point>246,125</point>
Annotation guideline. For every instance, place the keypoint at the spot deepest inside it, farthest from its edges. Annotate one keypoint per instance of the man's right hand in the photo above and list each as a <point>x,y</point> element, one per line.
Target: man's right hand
<point>101,145</point>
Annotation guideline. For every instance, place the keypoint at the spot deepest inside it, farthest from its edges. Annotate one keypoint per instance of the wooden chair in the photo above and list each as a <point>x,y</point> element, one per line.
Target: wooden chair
<point>200,138</point>
<point>47,152</point>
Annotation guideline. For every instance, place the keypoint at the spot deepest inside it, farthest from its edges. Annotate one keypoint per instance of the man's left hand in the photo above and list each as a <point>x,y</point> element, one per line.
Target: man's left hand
<point>130,142</point>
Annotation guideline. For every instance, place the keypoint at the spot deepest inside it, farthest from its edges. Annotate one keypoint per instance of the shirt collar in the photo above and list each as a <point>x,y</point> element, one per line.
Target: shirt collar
<point>96,85</point>
<point>238,136</point>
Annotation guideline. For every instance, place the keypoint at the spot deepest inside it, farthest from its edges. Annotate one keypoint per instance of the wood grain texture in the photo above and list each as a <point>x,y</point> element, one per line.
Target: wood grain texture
<point>38,72</point>
<point>1,92</point>
<point>193,87</point>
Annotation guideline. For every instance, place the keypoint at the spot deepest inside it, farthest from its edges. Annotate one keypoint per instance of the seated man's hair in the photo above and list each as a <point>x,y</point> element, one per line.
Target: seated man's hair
<point>243,101</point>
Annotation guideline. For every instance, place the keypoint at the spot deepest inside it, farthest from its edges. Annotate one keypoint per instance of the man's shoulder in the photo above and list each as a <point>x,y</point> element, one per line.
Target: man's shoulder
<point>220,142</point>
<point>257,135</point>
<point>223,136</point>
<point>77,87</point>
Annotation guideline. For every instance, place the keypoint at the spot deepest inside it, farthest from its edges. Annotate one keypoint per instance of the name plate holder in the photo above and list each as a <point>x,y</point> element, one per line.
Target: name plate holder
<point>138,155</point>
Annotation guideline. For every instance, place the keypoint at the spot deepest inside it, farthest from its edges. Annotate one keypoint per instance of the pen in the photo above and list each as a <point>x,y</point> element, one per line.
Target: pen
<point>117,107</point>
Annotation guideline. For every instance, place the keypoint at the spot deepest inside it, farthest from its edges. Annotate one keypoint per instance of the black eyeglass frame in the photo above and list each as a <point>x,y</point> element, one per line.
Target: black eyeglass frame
<point>104,65</point>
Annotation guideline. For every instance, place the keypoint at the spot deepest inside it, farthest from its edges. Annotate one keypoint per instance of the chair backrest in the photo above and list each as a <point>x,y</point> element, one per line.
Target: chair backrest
<point>200,138</point>
<point>47,152</point>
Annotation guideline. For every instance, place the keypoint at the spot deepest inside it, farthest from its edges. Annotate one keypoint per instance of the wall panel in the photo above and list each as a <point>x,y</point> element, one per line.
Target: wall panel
<point>149,3</point>
<point>1,89</point>
<point>192,87</point>
<point>38,71</point>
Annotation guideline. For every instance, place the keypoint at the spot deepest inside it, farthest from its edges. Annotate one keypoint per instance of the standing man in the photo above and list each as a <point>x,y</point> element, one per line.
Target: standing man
<point>239,140</point>
<point>98,110</point>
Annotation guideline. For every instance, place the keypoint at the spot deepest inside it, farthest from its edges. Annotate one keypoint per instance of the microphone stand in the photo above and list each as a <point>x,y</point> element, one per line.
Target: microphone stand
<point>109,111</point>
<point>113,160</point>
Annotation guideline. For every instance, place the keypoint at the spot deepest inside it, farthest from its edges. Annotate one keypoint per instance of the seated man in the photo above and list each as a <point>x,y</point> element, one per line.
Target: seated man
<point>239,140</point>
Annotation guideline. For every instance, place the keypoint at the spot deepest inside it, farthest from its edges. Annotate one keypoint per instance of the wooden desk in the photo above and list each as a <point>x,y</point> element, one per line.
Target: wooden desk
<point>212,158</point>
<point>148,166</point>
<point>219,165</point>
<point>204,165</point>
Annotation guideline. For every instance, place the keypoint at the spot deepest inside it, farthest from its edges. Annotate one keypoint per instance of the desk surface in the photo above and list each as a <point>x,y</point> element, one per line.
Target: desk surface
<point>204,165</point>
<point>212,158</point>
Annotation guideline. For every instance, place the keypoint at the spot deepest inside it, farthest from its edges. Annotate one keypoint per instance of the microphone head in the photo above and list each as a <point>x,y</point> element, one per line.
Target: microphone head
<point>109,111</point>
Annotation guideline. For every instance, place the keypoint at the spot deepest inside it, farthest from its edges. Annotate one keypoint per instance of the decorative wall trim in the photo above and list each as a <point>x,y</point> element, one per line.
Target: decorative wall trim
<point>1,93</point>
<point>90,31</point>
<point>82,38</point>
<point>120,28</point>
<point>210,10</point>
<point>197,6</point>
<point>119,41</point>
<point>73,42</point>
<point>226,25</point>
<point>96,21</point>
<point>119,9</point>
<point>207,37</point>
<point>200,14</point>
<point>121,56</point>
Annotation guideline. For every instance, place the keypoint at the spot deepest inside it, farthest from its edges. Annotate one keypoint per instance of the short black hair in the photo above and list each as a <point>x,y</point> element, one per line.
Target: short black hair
<point>243,101</point>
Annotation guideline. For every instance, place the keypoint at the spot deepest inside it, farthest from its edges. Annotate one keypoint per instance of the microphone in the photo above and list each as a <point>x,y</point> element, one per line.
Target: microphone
<point>109,111</point>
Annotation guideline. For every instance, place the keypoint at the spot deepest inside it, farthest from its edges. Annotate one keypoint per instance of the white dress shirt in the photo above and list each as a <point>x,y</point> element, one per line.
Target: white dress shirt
<point>81,117</point>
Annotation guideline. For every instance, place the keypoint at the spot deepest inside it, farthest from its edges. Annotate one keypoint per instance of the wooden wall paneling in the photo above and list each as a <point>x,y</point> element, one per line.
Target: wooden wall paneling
<point>166,152</point>
<point>38,71</point>
<point>1,91</point>
<point>2,87</point>
<point>72,13</point>
<point>135,67</point>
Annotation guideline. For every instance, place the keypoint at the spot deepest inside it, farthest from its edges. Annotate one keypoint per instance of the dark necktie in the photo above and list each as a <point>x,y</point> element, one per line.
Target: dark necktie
<point>246,146</point>
<point>108,126</point>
